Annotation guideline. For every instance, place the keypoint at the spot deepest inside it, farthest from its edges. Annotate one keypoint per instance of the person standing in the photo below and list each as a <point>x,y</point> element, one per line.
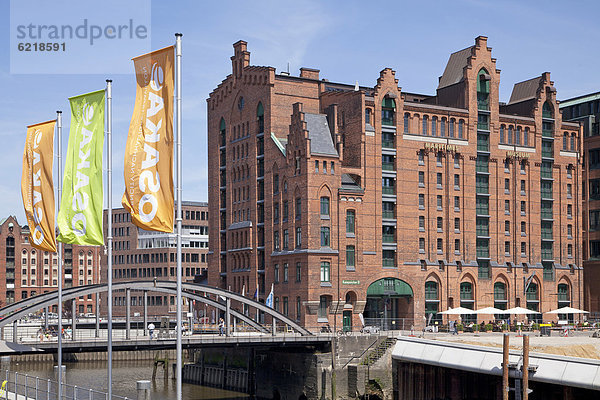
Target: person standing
<point>151,328</point>
<point>221,326</point>
<point>451,326</point>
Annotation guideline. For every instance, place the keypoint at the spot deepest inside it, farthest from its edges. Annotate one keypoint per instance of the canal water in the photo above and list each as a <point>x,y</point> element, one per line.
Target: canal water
<point>93,375</point>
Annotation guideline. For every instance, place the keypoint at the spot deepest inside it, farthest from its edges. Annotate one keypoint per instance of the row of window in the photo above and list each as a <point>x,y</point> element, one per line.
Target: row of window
<point>447,128</point>
<point>154,272</point>
<point>157,258</point>
<point>507,247</point>
<point>324,167</point>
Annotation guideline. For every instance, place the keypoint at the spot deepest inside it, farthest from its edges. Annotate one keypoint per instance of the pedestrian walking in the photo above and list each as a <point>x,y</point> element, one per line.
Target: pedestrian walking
<point>151,328</point>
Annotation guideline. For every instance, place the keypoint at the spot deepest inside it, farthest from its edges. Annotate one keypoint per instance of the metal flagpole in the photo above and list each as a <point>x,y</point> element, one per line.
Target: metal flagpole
<point>178,215</point>
<point>109,271</point>
<point>60,255</point>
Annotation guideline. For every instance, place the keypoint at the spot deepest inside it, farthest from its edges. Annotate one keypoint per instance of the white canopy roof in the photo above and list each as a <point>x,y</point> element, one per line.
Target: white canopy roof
<point>519,311</point>
<point>567,310</point>
<point>490,311</point>
<point>458,311</point>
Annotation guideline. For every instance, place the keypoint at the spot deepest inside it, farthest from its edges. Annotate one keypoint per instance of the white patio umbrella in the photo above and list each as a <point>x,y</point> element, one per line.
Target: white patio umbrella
<point>567,310</point>
<point>490,311</point>
<point>458,311</point>
<point>519,311</point>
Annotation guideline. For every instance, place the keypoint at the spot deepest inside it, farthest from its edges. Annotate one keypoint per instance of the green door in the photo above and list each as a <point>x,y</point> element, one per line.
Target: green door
<point>347,321</point>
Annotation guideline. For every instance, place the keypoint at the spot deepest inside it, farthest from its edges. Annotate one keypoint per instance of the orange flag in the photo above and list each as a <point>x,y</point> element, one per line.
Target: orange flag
<point>37,187</point>
<point>149,152</point>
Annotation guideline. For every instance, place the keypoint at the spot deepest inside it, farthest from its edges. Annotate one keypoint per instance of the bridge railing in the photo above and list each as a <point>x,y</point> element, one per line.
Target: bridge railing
<point>24,387</point>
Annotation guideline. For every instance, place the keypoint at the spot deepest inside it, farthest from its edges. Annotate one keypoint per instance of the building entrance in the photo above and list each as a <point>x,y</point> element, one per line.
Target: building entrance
<point>389,304</point>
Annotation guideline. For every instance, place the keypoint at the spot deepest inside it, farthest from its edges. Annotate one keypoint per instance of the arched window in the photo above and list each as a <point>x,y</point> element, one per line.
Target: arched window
<point>461,128</point>
<point>467,300</point>
<point>509,138</point>
<point>500,297</point>
<point>547,110</point>
<point>502,127</point>
<point>223,132</point>
<point>388,109</point>
<point>260,116</point>
<point>432,303</point>
<point>434,126</point>
<point>565,139</point>
<point>526,137</point>
<point>564,300</point>
<point>572,142</point>
<point>451,127</point>
<point>443,127</point>
<point>368,116</point>
<point>483,90</point>
<point>518,136</point>
<point>406,122</point>
<point>425,130</point>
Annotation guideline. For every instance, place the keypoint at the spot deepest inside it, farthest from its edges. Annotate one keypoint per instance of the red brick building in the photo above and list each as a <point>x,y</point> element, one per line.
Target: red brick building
<point>145,255</point>
<point>396,205</point>
<point>585,109</point>
<point>27,272</point>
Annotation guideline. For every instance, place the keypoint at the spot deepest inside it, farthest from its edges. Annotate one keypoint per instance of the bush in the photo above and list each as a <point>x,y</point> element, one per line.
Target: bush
<point>535,327</point>
<point>504,327</point>
<point>460,327</point>
<point>489,327</point>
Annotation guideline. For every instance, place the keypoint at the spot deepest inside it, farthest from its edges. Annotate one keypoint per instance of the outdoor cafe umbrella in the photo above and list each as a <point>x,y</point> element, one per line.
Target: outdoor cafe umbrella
<point>519,311</point>
<point>567,310</point>
<point>458,311</point>
<point>490,311</point>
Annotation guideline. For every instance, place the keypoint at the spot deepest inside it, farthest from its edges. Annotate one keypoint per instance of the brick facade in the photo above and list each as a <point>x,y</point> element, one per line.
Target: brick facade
<point>145,255</point>
<point>434,197</point>
<point>27,272</point>
<point>585,110</point>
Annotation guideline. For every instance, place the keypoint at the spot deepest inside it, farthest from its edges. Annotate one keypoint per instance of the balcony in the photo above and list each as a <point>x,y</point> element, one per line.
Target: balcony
<point>389,190</point>
<point>388,166</point>
<point>388,143</point>
<point>388,214</point>
<point>388,238</point>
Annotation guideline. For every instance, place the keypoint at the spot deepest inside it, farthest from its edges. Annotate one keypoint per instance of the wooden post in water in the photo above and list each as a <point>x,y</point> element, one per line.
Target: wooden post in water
<point>505,389</point>
<point>525,367</point>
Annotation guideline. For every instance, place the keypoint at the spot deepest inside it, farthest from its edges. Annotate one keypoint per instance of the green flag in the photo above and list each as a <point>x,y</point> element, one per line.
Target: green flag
<point>80,215</point>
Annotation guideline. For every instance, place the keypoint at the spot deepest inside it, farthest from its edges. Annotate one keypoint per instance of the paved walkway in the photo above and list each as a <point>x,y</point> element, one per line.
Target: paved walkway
<point>580,344</point>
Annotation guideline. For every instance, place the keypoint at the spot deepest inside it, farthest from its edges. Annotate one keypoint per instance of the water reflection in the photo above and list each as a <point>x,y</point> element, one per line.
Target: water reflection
<point>92,375</point>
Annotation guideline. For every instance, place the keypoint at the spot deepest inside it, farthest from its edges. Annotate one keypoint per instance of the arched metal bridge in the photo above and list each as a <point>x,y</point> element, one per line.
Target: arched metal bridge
<point>193,291</point>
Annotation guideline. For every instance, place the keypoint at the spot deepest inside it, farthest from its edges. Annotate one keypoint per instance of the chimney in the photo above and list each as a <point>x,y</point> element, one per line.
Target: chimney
<point>309,73</point>
<point>240,58</point>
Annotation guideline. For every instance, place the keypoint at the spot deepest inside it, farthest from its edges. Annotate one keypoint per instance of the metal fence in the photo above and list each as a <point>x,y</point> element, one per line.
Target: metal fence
<point>24,387</point>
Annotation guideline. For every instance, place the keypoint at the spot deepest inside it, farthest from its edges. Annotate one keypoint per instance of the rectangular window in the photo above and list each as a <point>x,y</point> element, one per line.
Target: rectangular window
<point>570,250</point>
<point>523,248</point>
<point>440,224</point>
<point>298,237</point>
<point>439,179</point>
<point>285,211</point>
<point>286,239</point>
<point>440,245</point>
<point>422,244</point>
<point>456,203</point>
<point>325,236</point>
<point>316,166</point>
<point>298,208</point>
<point>324,167</point>
<point>507,227</point>
<point>285,272</point>
<point>569,191</point>
<point>507,207</point>
<point>457,225</point>
<point>421,223</point>
<point>276,273</point>
<point>523,207</point>
<point>298,272</point>
<point>350,216</point>
<point>332,169</point>
<point>325,272</point>
<point>276,213</point>
<point>438,159</point>
<point>324,206</point>
<point>457,246</point>
<point>569,211</point>
<point>456,181</point>
<point>350,257</point>
<point>276,240</point>
<point>569,231</point>
<point>523,228</point>
<point>421,178</point>
<point>456,160</point>
<point>421,201</point>
<point>298,308</point>
<point>285,305</point>
<point>507,248</point>
<point>421,157</point>
<point>506,185</point>
<point>439,201</point>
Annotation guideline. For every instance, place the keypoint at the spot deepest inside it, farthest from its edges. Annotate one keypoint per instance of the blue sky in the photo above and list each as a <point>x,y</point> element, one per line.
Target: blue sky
<point>347,40</point>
